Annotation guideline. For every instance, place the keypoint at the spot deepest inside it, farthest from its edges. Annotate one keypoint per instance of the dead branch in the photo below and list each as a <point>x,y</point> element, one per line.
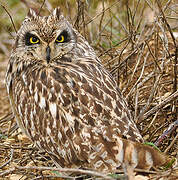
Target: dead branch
<point>159,106</point>
<point>41,7</point>
<point>7,118</point>
<point>152,94</point>
<point>141,74</point>
<point>102,12</point>
<point>167,132</point>
<point>9,171</point>
<point>10,159</point>
<point>172,143</point>
<point>176,50</point>
<point>10,17</point>
<point>65,170</point>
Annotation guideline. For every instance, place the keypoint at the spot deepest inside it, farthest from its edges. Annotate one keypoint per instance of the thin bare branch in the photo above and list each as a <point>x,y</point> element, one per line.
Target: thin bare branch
<point>10,17</point>
<point>41,7</point>
<point>159,106</point>
<point>102,12</point>
<point>10,159</point>
<point>176,52</point>
<point>65,170</point>
<point>172,143</point>
<point>166,133</point>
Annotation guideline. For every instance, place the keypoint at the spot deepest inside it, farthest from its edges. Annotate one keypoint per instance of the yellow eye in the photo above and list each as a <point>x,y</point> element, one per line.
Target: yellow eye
<point>34,40</point>
<point>60,39</point>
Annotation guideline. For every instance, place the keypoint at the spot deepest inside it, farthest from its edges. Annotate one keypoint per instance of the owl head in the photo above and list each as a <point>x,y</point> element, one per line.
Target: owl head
<point>45,38</point>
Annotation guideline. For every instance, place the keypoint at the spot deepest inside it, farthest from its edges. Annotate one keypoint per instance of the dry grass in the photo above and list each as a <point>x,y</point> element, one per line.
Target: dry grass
<point>137,42</point>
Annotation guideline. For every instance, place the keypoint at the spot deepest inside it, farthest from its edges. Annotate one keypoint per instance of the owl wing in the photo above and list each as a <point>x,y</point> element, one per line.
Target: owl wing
<point>91,97</point>
<point>90,115</point>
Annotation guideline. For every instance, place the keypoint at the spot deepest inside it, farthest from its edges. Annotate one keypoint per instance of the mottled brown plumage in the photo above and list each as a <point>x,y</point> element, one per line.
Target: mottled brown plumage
<point>67,103</point>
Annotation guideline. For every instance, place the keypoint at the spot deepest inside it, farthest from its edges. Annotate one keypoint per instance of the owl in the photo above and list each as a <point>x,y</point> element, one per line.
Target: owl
<point>67,103</point>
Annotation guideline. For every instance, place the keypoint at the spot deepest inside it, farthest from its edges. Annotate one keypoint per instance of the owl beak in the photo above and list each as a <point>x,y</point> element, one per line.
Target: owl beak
<point>48,51</point>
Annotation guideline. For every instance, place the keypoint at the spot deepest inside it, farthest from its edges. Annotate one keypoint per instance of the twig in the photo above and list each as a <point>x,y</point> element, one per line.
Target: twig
<point>6,118</point>
<point>101,20</point>
<point>159,106</point>
<point>12,129</point>
<point>110,60</point>
<point>141,74</point>
<point>144,171</point>
<point>140,19</point>
<point>150,124</point>
<point>136,8</point>
<point>150,99</point>
<point>102,12</point>
<point>135,68</point>
<point>171,127</point>
<point>41,7</point>
<point>120,22</point>
<point>9,171</point>
<point>120,64</point>
<point>10,159</point>
<point>65,170</point>
<point>167,24</point>
<point>176,52</point>
<point>172,143</point>
<point>154,58</point>
<point>108,22</point>
<point>149,4</point>
<point>48,5</point>
<point>10,18</point>
<point>53,177</point>
<point>80,16</point>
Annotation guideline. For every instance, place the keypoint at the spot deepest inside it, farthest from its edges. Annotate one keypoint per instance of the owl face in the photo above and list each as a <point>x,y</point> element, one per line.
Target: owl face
<point>45,38</point>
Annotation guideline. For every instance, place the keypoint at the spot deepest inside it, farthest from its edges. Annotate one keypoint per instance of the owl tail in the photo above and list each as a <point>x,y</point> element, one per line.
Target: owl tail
<point>136,155</point>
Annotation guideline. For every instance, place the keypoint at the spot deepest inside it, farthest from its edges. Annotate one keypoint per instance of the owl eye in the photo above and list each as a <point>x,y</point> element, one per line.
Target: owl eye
<point>34,40</point>
<point>63,37</point>
<point>31,39</point>
<point>60,39</point>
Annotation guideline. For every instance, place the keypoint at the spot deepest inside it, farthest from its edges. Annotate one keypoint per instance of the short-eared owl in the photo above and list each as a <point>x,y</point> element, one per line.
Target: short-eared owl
<point>65,100</point>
